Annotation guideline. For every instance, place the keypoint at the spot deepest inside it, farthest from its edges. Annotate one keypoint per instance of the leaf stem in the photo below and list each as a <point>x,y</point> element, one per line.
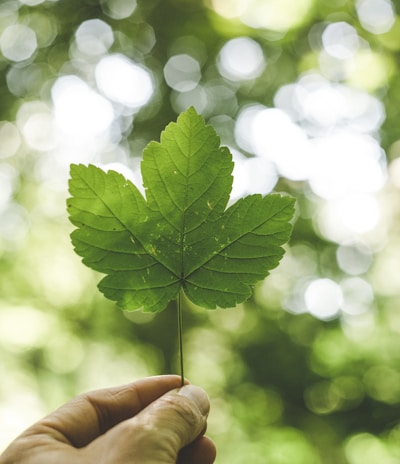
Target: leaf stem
<point>180,337</point>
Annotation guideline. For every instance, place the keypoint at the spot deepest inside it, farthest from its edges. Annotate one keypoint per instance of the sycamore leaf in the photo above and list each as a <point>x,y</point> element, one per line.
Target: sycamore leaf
<point>181,236</point>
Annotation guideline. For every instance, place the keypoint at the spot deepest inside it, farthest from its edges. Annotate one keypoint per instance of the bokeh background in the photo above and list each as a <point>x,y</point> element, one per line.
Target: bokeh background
<point>306,93</point>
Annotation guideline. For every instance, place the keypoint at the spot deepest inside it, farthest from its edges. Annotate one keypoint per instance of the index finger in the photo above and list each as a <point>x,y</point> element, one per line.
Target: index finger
<point>89,415</point>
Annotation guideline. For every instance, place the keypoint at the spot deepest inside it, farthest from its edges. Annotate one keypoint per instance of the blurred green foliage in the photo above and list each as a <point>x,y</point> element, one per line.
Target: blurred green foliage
<point>307,371</point>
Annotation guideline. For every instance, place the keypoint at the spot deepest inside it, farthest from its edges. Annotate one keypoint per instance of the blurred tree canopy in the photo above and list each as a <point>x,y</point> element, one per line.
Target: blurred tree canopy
<point>306,95</point>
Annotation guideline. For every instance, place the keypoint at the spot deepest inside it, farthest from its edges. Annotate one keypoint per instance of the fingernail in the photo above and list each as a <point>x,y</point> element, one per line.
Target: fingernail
<point>198,396</point>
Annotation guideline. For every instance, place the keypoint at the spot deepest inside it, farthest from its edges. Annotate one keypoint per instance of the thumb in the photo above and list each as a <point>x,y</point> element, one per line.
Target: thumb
<point>160,431</point>
<point>176,419</point>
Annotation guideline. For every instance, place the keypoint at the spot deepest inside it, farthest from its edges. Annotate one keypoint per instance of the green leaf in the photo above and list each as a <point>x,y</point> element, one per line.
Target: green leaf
<point>182,235</point>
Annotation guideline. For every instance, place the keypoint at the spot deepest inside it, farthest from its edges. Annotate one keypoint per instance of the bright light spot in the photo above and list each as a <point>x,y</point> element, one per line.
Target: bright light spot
<point>10,139</point>
<point>244,127</point>
<point>386,275</point>
<point>349,217</point>
<point>119,9</point>
<point>252,175</point>
<point>38,131</point>
<point>241,59</point>
<point>283,142</point>
<point>289,98</point>
<point>129,174</point>
<point>18,42</point>
<point>241,179</point>
<point>8,176</point>
<point>262,175</point>
<point>322,105</point>
<point>300,261</point>
<point>222,100</point>
<point>23,327</point>
<point>278,139</point>
<point>94,37</point>
<point>78,110</point>
<point>353,259</point>
<point>182,72</point>
<point>35,122</point>
<point>366,448</point>
<point>65,347</point>
<point>31,2</point>
<point>270,134</point>
<point>360,213</point>
<point>376,16</point>
<point>9,14</point>
<point>340,40</point>
<point>196,97</point>
<point>358,296</point>
<point>343,163</point>
<point>394,168</point>
<point>323,298</point>
<point>23,80</point>
<point>369,70</point>
<point>13,224</point>
<point>123,81</point>
<point>360,111</point>
<point>276,15</point>
<point>228,8</point>
<point>59,278</point>
<point>347,162</point>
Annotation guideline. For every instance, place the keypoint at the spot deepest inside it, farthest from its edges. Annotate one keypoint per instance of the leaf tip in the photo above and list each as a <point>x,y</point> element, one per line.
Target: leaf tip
<point>190,113</point>
<point>191,110</point>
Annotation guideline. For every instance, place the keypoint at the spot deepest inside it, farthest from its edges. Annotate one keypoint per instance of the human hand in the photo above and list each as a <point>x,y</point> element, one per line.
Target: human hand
<point>150,421</point>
